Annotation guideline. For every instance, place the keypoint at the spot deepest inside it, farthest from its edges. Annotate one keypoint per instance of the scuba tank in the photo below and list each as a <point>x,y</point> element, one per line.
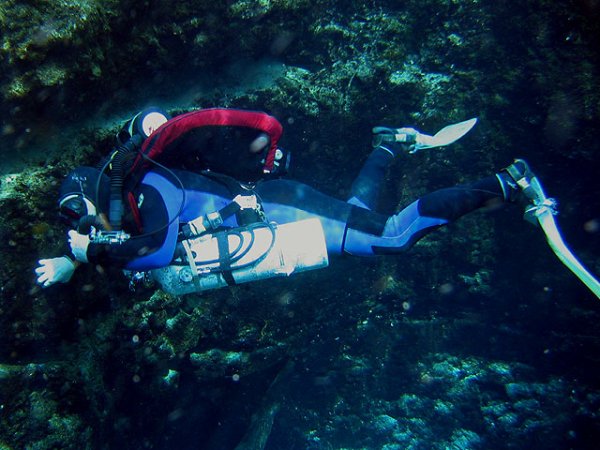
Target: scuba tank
<point>245,254</point>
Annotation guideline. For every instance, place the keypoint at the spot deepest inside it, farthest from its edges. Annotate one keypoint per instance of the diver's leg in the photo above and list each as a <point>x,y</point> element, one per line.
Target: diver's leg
<point>402,230</point>
<point>386,145</point>
<point>359,231</point>
<point>367,185</point>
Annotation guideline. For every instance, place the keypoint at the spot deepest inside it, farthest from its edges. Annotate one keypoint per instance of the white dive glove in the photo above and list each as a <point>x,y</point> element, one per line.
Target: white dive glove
<point>55,270</point>
<point>79,245</point>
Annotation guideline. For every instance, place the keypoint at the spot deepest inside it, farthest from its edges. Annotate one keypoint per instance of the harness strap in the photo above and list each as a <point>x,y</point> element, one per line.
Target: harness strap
<point>192,263</point>
<point>247,214</point>
<point>214,220</point>
<point>224,258</point>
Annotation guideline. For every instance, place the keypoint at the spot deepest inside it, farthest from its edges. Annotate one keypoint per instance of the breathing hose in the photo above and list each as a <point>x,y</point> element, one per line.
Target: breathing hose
<point>117,174</point>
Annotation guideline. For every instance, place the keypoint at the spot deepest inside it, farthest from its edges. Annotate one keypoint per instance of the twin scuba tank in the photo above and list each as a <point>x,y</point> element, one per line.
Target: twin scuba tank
<point>245,254</point>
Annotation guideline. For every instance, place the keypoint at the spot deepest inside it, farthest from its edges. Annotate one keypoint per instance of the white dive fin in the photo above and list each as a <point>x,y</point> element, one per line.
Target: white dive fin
<point>543,209</point>
<point>445,136</point>
<point>545,216</point>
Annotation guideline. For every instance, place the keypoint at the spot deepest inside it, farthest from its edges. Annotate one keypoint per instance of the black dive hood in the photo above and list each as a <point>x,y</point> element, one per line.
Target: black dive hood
<point>82,188</point>
<point>84,180</point>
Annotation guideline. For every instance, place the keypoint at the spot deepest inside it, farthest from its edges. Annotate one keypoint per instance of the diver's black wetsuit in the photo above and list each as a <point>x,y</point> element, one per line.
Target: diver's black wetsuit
<point>350,227</point>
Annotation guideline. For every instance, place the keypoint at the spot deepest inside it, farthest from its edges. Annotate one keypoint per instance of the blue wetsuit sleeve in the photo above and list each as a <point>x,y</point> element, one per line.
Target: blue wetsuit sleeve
<point>155,217</point>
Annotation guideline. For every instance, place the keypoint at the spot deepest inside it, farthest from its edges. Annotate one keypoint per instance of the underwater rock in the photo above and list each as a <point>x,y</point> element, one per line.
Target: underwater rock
<point>389,362</point>
<point>465,439</point>
<point>384,424</point>
<point>216,363</point>
<point>171,378</point>
<point>35,412</point>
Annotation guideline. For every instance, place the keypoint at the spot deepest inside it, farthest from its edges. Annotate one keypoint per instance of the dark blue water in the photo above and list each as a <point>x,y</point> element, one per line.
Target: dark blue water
<point>479,338</point>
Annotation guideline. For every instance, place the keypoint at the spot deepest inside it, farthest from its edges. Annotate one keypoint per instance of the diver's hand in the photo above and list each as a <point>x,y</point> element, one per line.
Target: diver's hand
<point>79,245</point>
<point>55,270</point>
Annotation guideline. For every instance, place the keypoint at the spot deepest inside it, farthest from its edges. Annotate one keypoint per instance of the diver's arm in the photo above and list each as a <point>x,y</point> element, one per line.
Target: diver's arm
<point>154,217</point>
<point>120,254</point>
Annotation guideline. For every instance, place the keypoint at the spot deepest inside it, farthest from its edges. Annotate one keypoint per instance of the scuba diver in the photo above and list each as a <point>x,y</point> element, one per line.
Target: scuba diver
<point>227,217</point>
